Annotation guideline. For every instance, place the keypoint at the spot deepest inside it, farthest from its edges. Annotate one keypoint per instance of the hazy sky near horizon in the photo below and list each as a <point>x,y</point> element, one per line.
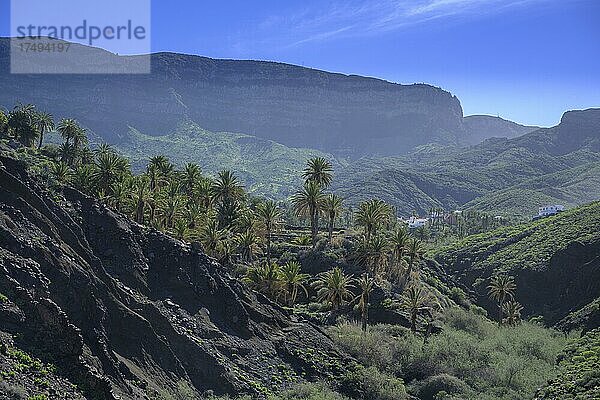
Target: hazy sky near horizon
<point>525,60</point>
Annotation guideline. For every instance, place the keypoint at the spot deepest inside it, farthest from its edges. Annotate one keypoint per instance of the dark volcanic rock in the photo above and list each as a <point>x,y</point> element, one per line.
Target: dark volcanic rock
<point>126,311</point>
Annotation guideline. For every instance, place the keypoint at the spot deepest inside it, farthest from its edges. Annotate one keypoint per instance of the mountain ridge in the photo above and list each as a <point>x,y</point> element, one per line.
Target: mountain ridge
<point>452,177</point>
<point>344,114</point>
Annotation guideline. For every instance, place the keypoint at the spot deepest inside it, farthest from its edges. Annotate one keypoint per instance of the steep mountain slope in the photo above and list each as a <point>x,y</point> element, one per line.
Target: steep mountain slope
<point>294,106</point>
<point>482,127</point>
<point>570,187</point>
<point>123,310</point>
<point>579,377</point>
<point>556,163</point>
<point>265,167</point>
<point>555,262</point>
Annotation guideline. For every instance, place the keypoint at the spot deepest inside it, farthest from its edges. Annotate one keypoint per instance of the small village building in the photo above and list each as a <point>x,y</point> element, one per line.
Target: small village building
<point>546,211</point>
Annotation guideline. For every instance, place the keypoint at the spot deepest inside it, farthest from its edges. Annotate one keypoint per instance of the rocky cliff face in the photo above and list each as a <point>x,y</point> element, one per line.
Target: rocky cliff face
<point>126,311</point>
<point>295,106</point>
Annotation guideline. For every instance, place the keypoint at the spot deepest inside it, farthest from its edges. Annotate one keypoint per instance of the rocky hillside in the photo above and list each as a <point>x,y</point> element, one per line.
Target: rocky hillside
<point>555,262</point>
<point>122,310</point>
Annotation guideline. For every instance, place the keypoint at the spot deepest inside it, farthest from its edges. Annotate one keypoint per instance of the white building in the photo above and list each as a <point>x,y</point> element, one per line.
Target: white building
<point>550,210</point>
<point>414,222</point>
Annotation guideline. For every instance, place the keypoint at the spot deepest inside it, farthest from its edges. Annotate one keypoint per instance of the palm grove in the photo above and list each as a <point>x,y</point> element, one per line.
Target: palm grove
<point>255,238</point>
<point>336,264</point>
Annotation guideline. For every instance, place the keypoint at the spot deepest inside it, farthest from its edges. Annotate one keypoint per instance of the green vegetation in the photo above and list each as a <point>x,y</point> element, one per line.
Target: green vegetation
<point>510,177</point>
<point>268,168</point>
<point>579,366</point>
<point>526,246</point>
<point>25,377</point>
<point>345,267</point>
<point>470,358</point>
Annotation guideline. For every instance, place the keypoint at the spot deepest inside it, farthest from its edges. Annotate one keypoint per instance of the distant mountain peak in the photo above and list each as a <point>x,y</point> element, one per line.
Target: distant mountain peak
<point>482,127</point>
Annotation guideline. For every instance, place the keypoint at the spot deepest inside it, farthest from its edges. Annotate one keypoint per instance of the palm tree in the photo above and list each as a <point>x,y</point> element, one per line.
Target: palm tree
<point>399,242</point>
<point>333,207</point>
<point>68,129</point>
<point>44,122</point>
<point>180,229</point>
<point>334,287</point>
<point>82,178</point>
<point>380,249</point>
<point>153,176</point>
<point>415,302</point>
<point>61,172</point>
<point>371,215</point>
<point>21,122</point>
<point>119,192</point>
<point>66,152</point>
<point>365,284</point>
<point>172,202</point>
<point>373,254</point>
<point>318,170</point>
<point>192,214</point>
<point>203,193</point>
<point>265,278</point>
<point>501,288</point>
<point>141,193</point>
<point>247,243</point>
<point>109,168</point>
<point>422,233</point>
<point>226,188</point>
<point>104,148</point>
<point>309,203</point>
<point>80,139</point>
<point>302,240</point>
<point>229,213</point>
<point>212,238</point>
<point>162,165</point>
<point>512,310</point>
<point>193,173</point>
<point>415,252</point>
<point>269,216</point>
<point>245,220</point>
<point>292,280</point>
<point>75,140</point>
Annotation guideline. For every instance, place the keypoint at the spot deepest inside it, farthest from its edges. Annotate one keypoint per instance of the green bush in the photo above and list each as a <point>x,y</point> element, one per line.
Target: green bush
<point>459,296</point>
<point>498,362</point>
<point>579,366</point>
<point>11,392</point>
<point>369,383</point>
<point>309,391</point>
<point>440,386</point>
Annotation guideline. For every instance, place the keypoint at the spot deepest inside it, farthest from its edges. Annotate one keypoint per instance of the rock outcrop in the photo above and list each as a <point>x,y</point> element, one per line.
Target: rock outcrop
<point>126,312</point>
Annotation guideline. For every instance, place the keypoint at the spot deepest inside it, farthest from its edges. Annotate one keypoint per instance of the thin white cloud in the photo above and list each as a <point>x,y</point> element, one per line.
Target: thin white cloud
<point>358,18</point>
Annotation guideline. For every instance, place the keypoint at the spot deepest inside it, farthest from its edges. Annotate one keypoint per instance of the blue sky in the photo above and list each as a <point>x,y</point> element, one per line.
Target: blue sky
<point>525,60</point>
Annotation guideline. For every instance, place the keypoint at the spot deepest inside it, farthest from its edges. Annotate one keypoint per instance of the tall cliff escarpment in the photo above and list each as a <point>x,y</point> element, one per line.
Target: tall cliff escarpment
<point>342,114</point>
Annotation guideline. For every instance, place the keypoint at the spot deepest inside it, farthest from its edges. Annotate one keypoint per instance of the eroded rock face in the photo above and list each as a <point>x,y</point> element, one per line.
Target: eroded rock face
<point>125,311</point>
<point>348,116</point>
